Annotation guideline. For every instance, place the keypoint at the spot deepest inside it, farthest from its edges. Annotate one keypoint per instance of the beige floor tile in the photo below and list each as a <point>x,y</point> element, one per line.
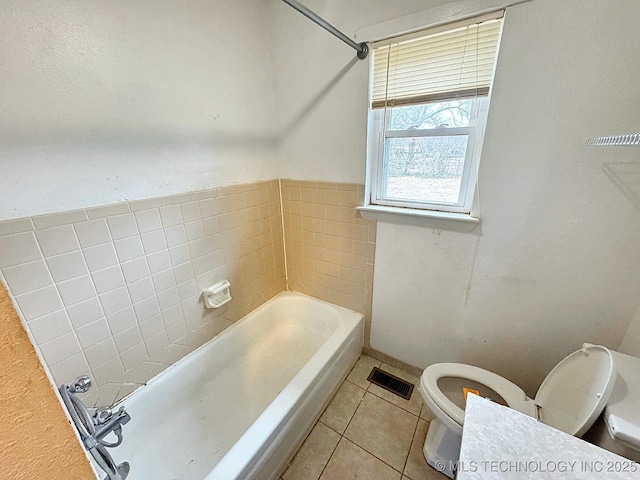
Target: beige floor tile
<point>314,454</point>
<point>350,462</point>
<point>361,371</point>
<point>426,414</point>
<point>342,407</point>
<point>383,430</point>
<point>412,405</point>
<point>417,467</point>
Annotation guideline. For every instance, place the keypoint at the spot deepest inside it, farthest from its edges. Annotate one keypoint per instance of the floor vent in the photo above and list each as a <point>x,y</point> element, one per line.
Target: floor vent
<point>391,383</point>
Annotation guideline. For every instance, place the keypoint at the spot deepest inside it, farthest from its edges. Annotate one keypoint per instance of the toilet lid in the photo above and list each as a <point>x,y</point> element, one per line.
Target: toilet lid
<point>576,391</point>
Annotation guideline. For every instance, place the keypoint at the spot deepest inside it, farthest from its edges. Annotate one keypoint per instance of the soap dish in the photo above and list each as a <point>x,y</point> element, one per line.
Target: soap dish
<point>217,294</point>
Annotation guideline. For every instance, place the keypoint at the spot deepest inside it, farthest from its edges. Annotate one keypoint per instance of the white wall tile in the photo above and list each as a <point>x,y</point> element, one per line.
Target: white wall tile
<point>115,300</point>
<point>190,211</point>
<point>135,270</point>
<point>39,302</point>
<point>157,342</point>
<point>106,211</point>
<point>85,312</point>
<point>168,298</point>
<point>183,272</point>
<point>67,266</point>
<point>191,305</point>
<point>109,371</point>
<point>93,333</point>
<point>60,348</point>
<point>151,326</point>
<point>148,220</point>
<point>126,276</point>
<point>76,290</point>
<point>122,226</point>
<point>201,265</point>
<point>100,256</point>
<point>188,289</point>
<point>147,204</point>
<point>172,315</point>
<point>57,240</point>
<point>163,280</point>
<point>128,339</point>
<point>9,227</point>
<point>93,232</point>
<point>121,320</point>
<point>176,331</point>
<point>27,277</point>
<point>50,326</point>
<point>100,353</point>
<point>128,248</point>
<point>134,356</point>
<point>194,230</point>
<point>55,219</point>
<point>141,289</point>
<point>159,261</point>
<point>108,279</point>
<point>18,248</point>
<point>204,281</point>
<point>176,235</point>
<point>179,254</point>
<point>194,321</point>
<point>171,215</point>
<point>153,241</point>
<point>69,369</point>
<point>178,199</point>
<point>146,308</point>
<point>211,226</point>
<point>198,248</point>
<point>208,208</point>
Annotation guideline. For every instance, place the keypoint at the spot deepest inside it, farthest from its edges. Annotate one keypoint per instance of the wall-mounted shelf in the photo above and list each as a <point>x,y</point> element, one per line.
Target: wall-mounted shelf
<point>627,140</point>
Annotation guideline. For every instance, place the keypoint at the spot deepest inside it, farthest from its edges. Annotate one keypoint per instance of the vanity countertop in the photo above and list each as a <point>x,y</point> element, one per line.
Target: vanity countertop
<point>501,443</point>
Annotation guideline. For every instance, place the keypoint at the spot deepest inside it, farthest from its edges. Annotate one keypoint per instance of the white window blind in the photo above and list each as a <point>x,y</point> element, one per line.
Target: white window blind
<point>436,65</point>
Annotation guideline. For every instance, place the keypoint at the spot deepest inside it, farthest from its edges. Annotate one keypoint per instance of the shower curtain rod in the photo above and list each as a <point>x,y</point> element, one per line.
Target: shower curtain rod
<point>361,48</point>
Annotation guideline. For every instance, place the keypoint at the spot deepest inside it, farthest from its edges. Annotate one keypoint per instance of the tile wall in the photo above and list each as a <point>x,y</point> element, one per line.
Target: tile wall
<point>330,247</point>
<point>114,291</point>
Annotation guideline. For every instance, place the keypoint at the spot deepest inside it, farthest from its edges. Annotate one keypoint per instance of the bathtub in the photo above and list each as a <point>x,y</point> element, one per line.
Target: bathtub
<point>239,406</point>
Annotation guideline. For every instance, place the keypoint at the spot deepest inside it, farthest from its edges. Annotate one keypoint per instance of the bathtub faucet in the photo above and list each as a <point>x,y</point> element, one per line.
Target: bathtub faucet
<point>93,428</point>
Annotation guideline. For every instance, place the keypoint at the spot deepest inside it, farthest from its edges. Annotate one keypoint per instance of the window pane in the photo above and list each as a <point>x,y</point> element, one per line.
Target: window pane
<point>431,115</point>
<point>427,169</point>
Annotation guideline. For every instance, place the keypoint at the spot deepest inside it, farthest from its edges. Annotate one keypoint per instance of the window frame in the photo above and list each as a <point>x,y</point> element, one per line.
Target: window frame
<point>380,117</point>
<point>378,136</point>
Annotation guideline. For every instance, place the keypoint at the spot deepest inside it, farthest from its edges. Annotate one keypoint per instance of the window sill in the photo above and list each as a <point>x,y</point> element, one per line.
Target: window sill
<point>457,222</point>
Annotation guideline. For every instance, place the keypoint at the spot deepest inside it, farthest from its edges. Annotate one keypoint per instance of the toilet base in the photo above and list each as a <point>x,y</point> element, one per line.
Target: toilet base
<point>442,448</point>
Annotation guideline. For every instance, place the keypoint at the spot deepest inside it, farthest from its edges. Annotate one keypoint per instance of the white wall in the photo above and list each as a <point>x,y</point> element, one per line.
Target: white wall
<point>556,262</point>
<point>631,341</point>
<point>108,101</point>
<point>321,88</point>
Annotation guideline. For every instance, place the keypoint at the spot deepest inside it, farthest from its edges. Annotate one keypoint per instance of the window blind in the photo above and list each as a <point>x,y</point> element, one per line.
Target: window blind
<point>436,65</point>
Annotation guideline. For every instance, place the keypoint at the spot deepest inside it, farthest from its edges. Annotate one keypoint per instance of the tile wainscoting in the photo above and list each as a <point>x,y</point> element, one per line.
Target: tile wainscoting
<point>114,291</point>
<point>330,247</point>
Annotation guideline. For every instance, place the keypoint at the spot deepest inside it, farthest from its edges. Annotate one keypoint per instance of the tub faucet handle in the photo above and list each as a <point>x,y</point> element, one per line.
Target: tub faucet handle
<point>102,415</point>
<point>81,385</point>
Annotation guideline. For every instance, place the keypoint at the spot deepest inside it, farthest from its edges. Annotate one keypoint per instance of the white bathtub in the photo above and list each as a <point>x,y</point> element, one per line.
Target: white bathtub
<point>238,407</point>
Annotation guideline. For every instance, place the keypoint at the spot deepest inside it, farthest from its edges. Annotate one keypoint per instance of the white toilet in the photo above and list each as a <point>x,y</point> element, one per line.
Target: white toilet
<point>571,398</point>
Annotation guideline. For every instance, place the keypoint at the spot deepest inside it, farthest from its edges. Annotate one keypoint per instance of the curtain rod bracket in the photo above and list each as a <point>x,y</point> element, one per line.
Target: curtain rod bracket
<point>362,49</point>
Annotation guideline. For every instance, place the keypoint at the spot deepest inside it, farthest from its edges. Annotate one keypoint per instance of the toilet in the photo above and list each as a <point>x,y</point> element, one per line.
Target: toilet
<point>571,399</point>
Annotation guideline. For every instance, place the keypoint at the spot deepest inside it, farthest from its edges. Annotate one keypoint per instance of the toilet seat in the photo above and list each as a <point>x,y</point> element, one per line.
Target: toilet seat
<point>510,392</point>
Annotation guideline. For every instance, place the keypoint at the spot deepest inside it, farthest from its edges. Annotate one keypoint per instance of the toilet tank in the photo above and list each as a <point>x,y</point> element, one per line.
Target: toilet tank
<point>618,428</point>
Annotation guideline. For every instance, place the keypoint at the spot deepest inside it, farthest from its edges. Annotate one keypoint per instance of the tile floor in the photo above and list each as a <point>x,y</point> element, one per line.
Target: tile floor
<point>367,433</point>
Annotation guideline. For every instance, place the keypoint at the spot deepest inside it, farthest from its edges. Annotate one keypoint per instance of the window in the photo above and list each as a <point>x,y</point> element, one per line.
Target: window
<point>429,104</point>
